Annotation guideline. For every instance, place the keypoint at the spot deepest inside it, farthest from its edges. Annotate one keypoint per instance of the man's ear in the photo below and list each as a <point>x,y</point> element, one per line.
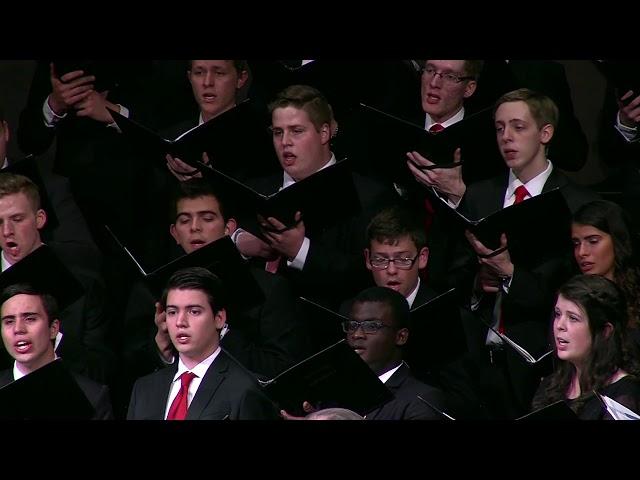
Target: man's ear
<point>423,258</point>
<point>325,133</point>
<point>41,218</point>
<point>174,232</point>
<point>367,260</point>
<point>470,88</point>
<point>546,133</point>
<point>242,79</point>
<point>54,328</point>
<point>402,336</point>
<point>220,319</point>
<point>231,226</point>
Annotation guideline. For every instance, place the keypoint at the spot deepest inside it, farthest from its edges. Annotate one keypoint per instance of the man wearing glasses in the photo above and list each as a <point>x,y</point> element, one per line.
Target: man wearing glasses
<point>445,85</point>
<point>397,251</point>
<point>377,329</point>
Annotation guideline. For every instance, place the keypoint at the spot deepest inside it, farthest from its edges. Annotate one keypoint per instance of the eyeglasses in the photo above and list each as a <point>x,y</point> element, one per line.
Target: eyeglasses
<point>450,78</point>
<point>368,326</point>
<point>382,263</point>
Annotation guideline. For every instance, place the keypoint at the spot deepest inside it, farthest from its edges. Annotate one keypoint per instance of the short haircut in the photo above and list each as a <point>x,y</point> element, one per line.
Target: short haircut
<point>49,302</point>
<point>239,65</point>
<point>11,183</point>
<point>334,414</point>
<point>472,68</point>
<point>543,110</point>
<point>396,301</point>
<point>393,223</point>
<point>197,278</point>
<point>195,188</point>
<point>306,98</point>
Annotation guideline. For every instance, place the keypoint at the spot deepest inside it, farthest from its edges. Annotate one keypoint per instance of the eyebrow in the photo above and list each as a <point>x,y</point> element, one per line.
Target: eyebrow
<point>199,212</point>
<point>23,314</point>
<point>186,306</point>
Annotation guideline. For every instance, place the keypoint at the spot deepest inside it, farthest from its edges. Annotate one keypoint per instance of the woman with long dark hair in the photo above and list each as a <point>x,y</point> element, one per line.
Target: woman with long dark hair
<point>606,243</point>
<point>592,349</point>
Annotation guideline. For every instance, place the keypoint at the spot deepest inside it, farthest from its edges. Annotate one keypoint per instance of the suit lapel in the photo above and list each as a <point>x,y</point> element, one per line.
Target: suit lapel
<point>393,383</point>
<point>6,377</point>
<point>216,373</point>
<point>162,386</point>
<point>555,180</point>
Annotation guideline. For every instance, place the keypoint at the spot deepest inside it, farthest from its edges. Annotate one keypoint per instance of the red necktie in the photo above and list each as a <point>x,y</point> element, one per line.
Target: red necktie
<point>272,265</point>
<point>435,128</point>
<point>178,409</point>
<point>520,193</point>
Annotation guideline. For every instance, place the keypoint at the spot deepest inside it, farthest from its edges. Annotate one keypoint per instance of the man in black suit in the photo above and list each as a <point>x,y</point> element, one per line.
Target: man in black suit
<point>215,85</point>
<point>68,108</point>
<point>85,331</point>
<point>30,325</point>
<point>205,383</point>
<point>513,298</point>
<point>377,329</point>
<point>325,264</point>
<point>397,251</point>
<point>264,338</point>
<point>447,86</point>
<point>72,227</point>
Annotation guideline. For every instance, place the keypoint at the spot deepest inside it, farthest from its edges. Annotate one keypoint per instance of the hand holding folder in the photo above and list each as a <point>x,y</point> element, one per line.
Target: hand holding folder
<point>395,137</point>
<point>522,223</point>
<point>323,199</point>
<point>237,140</point>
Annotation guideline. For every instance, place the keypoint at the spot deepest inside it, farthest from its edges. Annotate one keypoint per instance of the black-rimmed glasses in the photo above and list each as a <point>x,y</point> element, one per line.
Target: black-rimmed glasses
<point>447,77</point>
<point>403,263</point>
<point>368,326</point>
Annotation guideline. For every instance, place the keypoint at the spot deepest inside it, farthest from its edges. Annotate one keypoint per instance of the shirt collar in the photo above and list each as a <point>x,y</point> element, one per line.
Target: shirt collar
<point>412,296</point>
<point>200,369</point>
<point>387,375</point>
<point>18,374</point>
<point>533,186</point>
<point>447,123</point>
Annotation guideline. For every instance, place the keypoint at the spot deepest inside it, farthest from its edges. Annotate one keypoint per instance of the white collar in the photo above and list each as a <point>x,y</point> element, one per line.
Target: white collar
<point>447,123</point>
<point>533,186</point>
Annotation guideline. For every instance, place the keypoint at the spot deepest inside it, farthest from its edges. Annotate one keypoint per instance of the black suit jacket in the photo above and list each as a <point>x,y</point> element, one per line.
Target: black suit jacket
<point>86,344</point>
<point>528,305</point>
<point>406,405</point>
<point>266,338</point>
<point>227,391</point>
<point>97,394</point>
<point>334,268</point>
<point>107,178</point>
<point>424,294</point>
